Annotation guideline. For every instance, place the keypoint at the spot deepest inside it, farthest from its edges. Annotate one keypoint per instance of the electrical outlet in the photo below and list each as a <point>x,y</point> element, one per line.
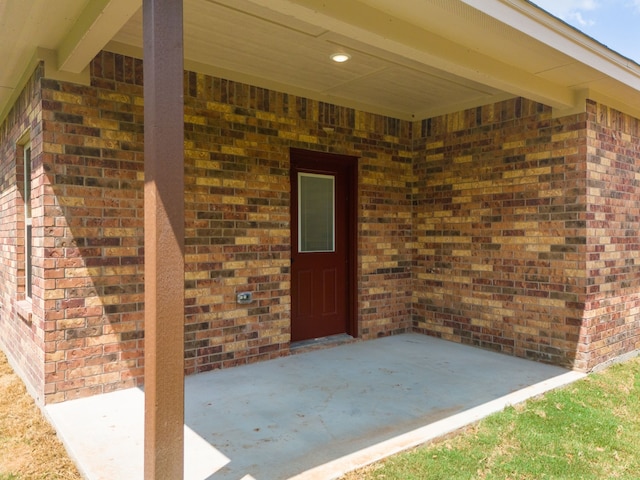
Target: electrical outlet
<point>244,297</point>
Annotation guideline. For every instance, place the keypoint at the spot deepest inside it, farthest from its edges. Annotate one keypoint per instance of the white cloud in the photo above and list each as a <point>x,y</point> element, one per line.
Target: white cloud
<point>614,23</point>
<point>576,10</point>
<point>579,19</point>
<point>635,5</point>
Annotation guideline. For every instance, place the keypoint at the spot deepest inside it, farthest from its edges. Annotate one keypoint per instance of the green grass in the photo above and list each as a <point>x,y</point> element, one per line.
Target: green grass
<point>588,430</point>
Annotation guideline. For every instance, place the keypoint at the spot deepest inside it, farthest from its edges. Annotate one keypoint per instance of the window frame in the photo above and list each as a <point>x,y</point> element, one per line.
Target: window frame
<point>24,163</point>
<point>28,235</point>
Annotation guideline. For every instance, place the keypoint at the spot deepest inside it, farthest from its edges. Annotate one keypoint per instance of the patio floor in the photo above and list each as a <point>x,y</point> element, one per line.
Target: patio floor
<point>313,415</point>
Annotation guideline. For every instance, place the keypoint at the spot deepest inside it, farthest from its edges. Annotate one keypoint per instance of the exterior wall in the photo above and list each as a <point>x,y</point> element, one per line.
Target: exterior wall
<point>500,247</point>
<point>611,325</point>
<point>238,212</point>
<point>500,226</point>
<point>21,322</point>
<point>93,148</point>
<point>237,141</point>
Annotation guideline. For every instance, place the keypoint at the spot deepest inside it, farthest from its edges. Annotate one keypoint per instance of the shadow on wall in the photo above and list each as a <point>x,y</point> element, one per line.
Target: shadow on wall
<point>522,223</point>
<point>95,233</point>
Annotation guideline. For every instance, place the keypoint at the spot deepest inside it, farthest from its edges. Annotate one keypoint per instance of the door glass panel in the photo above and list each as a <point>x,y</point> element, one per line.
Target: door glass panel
<point>316,213</point>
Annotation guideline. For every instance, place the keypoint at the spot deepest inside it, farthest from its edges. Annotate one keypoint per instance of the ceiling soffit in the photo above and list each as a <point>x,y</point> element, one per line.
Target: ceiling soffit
<point>411,59</point>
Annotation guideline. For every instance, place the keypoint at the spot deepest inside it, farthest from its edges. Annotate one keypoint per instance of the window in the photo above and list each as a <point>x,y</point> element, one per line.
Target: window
<point>26,192</point>
<point>316,213</point>
<point>24,274</point>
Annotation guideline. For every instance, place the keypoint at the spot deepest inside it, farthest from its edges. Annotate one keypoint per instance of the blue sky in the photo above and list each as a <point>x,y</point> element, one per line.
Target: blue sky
<point>615,23</point>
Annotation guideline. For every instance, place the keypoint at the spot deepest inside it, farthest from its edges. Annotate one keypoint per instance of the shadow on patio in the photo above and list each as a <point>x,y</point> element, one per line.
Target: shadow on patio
<point>313,415</point>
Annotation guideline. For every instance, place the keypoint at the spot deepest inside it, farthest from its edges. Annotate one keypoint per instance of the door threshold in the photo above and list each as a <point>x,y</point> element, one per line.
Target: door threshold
<point>319,343</point>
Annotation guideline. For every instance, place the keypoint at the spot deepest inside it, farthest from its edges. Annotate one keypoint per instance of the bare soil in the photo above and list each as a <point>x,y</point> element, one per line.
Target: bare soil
<point>29,446</point>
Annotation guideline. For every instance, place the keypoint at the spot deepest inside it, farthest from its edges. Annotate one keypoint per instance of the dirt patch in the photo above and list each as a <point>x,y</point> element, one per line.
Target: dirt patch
<point>29,446</point>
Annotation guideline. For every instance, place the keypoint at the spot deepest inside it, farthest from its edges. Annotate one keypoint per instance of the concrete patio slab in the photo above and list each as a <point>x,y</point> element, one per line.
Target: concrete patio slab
<point>312,415</point>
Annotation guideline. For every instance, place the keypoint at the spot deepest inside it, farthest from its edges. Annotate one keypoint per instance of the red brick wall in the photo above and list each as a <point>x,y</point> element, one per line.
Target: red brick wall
<point>21,333</point>
<point>500,246</point>
<point>612,317</point>
<point>238,212</point>
<point>237,141</point>
<point>94,231</point>
<point>499,226</point>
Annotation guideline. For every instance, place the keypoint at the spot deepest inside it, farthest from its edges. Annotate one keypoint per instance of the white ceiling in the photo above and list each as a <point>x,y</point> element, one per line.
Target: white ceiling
<point>410,59</point>
<point>248,42</point>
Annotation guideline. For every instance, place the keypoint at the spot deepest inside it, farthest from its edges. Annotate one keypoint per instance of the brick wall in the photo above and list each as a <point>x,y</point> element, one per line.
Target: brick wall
<point>611,324</point>
<point>237,140</point>
<point>499,226</point>
<point>21,332</point>
<point>499,218</point>
<point>237,214</point>
<point>93,214</point>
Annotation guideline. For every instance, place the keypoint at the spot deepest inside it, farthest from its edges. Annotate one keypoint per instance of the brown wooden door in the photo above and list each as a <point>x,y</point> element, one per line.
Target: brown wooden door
<point>322,251</point>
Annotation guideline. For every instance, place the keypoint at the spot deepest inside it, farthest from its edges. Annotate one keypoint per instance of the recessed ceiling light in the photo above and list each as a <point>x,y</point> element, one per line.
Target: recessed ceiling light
<point>340,57</point>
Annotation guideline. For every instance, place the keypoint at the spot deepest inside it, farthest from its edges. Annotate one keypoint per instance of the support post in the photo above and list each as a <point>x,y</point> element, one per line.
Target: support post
<point>164,239</point>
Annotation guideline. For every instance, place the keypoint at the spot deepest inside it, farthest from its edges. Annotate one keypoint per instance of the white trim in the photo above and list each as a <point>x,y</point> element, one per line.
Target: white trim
<point>544,27</point>
<point>50,59</point>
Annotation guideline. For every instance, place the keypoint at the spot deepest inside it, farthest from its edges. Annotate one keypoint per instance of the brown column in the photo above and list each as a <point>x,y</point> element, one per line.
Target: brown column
<point>164,239</point>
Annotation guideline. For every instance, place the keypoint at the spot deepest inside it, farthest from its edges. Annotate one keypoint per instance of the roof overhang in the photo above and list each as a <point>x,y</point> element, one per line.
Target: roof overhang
<point>411,59</point>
